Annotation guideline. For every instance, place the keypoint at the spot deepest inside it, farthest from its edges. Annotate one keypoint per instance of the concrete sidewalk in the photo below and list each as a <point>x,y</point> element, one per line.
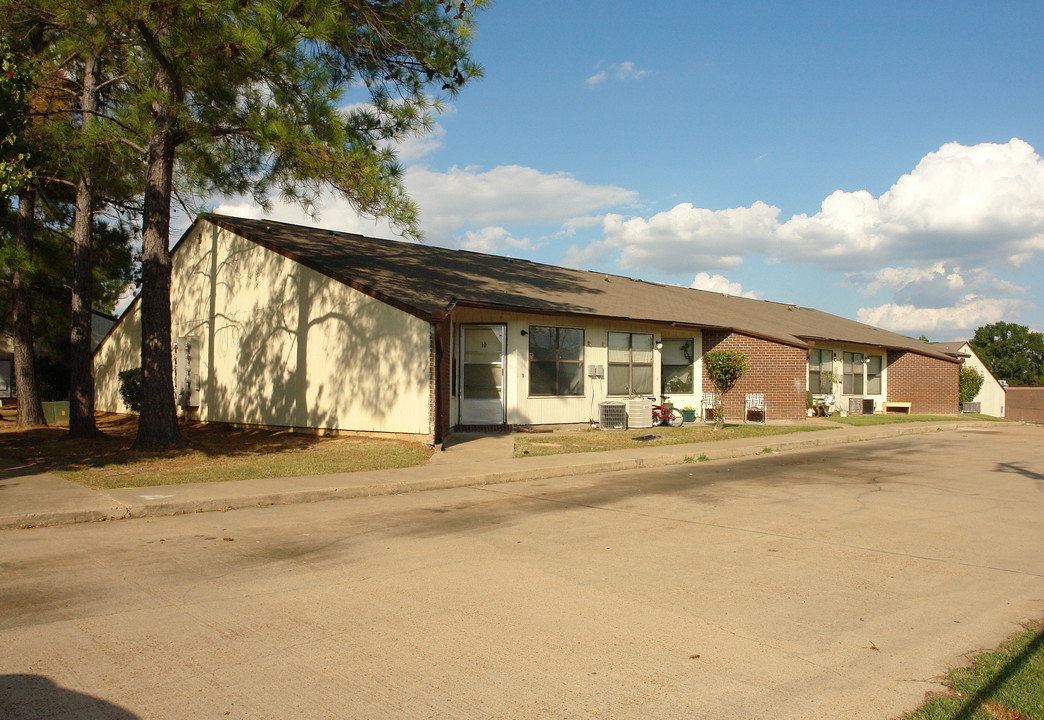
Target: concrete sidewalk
<point>30,499</point>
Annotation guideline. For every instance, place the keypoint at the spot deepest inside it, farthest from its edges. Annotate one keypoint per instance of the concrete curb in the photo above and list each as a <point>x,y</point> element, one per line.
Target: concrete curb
<point>584,464</point>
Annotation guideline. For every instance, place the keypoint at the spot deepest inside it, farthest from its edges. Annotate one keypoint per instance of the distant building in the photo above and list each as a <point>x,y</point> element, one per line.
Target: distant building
<point>992,395</point>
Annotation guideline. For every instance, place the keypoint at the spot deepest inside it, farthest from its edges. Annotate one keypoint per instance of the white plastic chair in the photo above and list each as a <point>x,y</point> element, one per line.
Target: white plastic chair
<point>707,407</point>
<point>754,406</point>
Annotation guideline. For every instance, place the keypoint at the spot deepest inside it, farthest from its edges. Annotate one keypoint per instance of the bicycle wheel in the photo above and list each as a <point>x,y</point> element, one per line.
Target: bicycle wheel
<point>675,418</point>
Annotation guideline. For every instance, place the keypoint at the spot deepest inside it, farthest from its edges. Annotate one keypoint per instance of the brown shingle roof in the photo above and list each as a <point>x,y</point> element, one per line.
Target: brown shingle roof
<point>949,347</point>
<point>428,280</point>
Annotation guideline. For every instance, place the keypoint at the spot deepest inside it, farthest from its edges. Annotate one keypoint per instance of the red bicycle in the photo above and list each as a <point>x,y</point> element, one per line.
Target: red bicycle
<point>666,414</point>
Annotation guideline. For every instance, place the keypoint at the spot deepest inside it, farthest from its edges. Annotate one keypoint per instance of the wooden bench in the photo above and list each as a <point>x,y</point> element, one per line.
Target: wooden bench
<point>897,407</point>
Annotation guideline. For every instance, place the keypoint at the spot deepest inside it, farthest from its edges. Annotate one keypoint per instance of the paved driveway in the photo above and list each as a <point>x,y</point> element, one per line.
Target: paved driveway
<point>831,583</point>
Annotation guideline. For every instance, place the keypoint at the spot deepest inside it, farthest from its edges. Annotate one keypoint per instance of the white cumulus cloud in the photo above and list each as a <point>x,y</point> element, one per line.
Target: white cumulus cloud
<point>469,200</point>
<point>493,239</point>
<point>721,284</point>
<point>505,195</point>
<point>982,203</point>
<point>954,322</point>
<point>970,205</point>
<point>689,239</point>
<point>933,285</point>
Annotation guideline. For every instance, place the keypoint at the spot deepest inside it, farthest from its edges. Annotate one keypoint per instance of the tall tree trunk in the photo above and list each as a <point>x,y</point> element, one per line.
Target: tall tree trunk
<point>158,423</point>
<point>81,372</point>
<point>30,411</point>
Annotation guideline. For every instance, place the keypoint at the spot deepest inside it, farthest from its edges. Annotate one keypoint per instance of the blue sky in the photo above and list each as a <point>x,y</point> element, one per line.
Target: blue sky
<point>880,161</point>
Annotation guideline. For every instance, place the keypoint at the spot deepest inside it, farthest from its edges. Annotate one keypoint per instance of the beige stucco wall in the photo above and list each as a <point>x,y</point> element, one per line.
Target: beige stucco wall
<point>991,394</point>
<point>525,410</point>
<point>120,351</point>
<point>284,345</point>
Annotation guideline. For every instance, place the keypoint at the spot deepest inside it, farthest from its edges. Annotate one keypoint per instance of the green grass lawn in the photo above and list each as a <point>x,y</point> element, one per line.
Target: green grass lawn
<point>863,420</point>
<point>597,440</point>
<point>1007,684</point>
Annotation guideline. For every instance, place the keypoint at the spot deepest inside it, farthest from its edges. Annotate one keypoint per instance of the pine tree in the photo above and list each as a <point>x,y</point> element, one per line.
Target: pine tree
<point>249,98</point>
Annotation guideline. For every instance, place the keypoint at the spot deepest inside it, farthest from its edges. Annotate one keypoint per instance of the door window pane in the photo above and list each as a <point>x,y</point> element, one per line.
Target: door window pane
<point>481,345</point>
<point>482,382</point>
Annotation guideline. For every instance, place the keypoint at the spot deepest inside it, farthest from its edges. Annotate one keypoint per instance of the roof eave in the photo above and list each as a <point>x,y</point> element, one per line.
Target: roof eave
<point>796,342</point>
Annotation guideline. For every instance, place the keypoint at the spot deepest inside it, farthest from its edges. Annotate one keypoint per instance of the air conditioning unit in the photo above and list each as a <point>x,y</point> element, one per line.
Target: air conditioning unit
<point>639,413</point>
<point>612,415</point>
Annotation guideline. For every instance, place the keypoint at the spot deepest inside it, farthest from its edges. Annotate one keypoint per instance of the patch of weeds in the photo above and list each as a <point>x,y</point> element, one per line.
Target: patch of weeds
<point>766,451</point>
<point>703,457</point>
<point>690,459</point>
<point>1006,683</point>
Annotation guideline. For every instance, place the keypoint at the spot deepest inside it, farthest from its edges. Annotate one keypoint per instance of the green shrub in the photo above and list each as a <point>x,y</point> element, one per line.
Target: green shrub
<point>130,389</point>
<point>969,383</point>
<point>724,368</point>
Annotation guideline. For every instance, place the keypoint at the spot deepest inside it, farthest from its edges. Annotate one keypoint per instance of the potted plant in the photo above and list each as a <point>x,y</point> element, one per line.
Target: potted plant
<point>689,414</point>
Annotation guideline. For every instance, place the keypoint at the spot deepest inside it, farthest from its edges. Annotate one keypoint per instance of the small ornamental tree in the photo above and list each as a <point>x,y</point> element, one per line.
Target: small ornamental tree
<point>969,384</point>
<point>130,389</point>
<point>724,368</point>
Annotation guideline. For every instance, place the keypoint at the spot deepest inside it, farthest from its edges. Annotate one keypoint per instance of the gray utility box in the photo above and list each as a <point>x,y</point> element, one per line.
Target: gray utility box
<point>56,413</point>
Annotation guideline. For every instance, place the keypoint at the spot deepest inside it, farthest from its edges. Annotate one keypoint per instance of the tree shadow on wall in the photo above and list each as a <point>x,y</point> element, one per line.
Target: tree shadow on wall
<point>303,360</point>
<point>34,697</point>
<point>300,359</point>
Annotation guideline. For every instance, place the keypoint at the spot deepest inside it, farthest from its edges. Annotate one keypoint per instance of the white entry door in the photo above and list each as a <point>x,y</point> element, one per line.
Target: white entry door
<point>482,396</point>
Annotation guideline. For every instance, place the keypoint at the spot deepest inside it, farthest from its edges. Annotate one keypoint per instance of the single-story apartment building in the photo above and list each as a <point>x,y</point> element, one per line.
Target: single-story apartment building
<point>991,396</point>
<point>283,325</point>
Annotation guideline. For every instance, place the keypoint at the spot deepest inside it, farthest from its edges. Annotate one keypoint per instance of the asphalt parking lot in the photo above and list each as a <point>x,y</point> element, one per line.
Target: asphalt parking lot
<point>828,583</point>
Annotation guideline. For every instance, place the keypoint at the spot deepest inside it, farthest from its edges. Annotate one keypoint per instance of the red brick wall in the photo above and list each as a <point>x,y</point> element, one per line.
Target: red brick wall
<point>778,371</point>
<point>1024,403</point>
<point>930,385</point>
